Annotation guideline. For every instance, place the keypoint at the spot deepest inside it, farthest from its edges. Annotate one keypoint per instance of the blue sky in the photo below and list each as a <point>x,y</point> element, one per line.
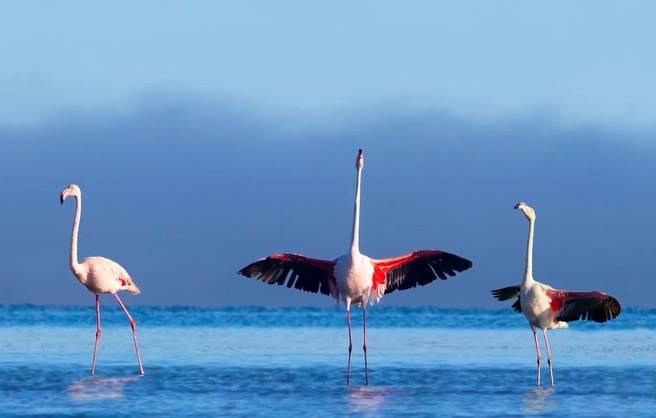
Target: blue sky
<point>205,135</point>
<point>587,62</point>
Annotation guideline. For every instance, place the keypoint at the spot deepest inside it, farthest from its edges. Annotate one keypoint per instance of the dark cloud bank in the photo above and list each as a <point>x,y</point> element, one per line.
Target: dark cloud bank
<point>184,194</point>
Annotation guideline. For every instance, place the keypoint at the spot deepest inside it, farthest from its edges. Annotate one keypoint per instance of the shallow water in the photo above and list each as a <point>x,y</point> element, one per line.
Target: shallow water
<point>263,362</point>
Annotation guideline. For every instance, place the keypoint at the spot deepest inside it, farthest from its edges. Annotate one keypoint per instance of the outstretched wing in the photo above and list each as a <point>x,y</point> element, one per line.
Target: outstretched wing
<point>297,271</point>
<point>419,268</point>
<point>591,306</point>
<point>509,292</point>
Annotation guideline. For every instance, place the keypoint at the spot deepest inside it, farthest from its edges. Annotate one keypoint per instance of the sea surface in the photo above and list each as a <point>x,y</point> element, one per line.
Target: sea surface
<point>260,362</point>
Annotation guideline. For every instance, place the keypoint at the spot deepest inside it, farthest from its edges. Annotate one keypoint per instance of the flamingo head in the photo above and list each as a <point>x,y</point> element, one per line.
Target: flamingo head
<point>526,210</point>
<point>71,190</point>
<point>359,161</point>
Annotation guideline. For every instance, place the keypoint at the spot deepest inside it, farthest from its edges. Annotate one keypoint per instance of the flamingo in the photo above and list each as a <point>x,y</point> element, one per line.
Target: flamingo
<point>354,277</point>
<point>99,275</point>
<point>547,308</point>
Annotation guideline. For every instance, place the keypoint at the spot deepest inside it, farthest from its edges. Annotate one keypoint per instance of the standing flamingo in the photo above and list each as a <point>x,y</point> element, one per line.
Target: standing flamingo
<point>547,308</point>
<point>99,275</point>
<point>355,277</point>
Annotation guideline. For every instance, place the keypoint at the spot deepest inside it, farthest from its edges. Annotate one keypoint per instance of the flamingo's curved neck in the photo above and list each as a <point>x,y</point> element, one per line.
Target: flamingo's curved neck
<point>75,266</point>
<point>528,273</point>
<point>355,236</point>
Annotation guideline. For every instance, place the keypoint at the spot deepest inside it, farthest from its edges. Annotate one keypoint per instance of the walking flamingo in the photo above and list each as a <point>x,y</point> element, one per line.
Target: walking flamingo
<point>99,275</point>
<point>547,308</point>
<point>354,277</point>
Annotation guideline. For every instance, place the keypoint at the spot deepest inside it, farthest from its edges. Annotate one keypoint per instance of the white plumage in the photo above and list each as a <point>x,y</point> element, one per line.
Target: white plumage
<point>99,275</point>
<point>355,278</point>
<point>547,308</point>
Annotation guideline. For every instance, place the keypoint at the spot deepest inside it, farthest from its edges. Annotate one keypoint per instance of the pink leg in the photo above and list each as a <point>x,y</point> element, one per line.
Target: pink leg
<point>364,346</point>
<point>537,350</point>
<point>95,346</point>
<point>350,346</point>
<point>134,332</point>
<point>546,343</point>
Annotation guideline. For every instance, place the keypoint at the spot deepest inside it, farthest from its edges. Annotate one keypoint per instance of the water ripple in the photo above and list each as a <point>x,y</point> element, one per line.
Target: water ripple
<point>381,317</point>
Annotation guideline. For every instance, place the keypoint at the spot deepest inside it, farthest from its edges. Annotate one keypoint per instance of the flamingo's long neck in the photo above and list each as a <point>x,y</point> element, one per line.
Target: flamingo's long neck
<point>75,266</point>
<point>355,236</point>
<point>528,273</point>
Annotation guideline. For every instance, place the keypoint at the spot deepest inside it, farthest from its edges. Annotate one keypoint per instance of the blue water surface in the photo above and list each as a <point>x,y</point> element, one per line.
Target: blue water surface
<point>292,361</point>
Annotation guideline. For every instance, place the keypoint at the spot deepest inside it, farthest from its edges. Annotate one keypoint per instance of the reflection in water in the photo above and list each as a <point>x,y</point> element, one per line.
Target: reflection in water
<point>98,388</point>
<point>365,398</point>
<point>538,401</point>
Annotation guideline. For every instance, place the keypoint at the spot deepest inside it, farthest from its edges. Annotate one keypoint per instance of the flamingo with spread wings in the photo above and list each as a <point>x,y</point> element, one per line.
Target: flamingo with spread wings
<point>355,278</point>
<point>547,308</point>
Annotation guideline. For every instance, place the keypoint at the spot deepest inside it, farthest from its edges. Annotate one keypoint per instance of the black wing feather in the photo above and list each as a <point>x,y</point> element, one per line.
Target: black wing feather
<point>296,271</point>
<point>421,268</point>
<point>506,293</point>
<point>598,309</point>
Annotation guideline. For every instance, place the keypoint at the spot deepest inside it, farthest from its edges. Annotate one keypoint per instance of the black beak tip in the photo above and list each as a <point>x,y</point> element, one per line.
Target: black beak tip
<point>61,200</point>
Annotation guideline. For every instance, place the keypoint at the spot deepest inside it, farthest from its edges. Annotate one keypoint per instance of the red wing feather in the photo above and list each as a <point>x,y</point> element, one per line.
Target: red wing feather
<point>419,268</point>
<point>591,306</point>
<point>303,273</point>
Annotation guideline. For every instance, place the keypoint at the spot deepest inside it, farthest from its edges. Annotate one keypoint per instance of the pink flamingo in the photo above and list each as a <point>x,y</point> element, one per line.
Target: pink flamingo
<point>547,308</point>
<point>354,277</point>
<point>99,275</point>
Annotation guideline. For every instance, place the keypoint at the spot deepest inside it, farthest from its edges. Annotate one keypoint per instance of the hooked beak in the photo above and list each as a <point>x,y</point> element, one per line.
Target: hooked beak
<point>517,205</point>
<point>63,196</point>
